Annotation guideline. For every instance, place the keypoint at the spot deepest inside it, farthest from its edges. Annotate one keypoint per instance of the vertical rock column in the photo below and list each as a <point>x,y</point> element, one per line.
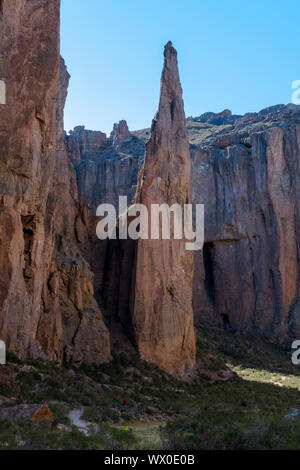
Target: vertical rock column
<point>161,300</point>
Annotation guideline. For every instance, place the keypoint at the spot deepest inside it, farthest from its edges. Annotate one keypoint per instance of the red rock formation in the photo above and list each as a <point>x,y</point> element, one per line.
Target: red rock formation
<point>162,313</point>
<point>46,298</point>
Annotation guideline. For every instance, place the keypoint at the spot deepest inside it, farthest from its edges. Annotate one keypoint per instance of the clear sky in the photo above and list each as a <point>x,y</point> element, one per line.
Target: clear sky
<point>236,54</point>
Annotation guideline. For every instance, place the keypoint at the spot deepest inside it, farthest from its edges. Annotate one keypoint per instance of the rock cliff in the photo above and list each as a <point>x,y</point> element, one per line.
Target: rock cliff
<point>46,295</point>
<point>245,169</point>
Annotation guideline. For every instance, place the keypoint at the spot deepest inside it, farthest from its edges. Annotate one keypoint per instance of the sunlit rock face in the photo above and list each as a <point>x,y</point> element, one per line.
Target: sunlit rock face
<point>46,287</point>
<point>161,301</point>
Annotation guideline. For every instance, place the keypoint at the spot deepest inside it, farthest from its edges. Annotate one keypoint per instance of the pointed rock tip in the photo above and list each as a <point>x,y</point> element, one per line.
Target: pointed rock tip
<point>169,49</point>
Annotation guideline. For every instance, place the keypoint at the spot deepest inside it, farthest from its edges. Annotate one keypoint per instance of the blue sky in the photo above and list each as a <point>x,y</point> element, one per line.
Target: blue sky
<point>241,55</point>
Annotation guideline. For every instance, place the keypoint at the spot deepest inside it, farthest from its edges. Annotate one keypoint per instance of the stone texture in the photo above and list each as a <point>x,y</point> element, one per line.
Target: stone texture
<point>161,302</point>
<point>38,198</point>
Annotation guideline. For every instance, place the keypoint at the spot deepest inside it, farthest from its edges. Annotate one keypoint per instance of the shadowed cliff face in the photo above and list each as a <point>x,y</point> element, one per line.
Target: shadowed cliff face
<point>105,167</point>
<point>46,287</point>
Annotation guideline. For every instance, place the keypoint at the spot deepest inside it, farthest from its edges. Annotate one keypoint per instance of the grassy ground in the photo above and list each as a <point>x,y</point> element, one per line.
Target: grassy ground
<point>136,406</point>
<point>249,411</point>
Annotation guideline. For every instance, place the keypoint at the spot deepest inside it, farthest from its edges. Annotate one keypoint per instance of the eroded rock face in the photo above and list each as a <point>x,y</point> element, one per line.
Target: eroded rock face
<point>146,286</point>
<point>161,302</point>
<point>46,297</point>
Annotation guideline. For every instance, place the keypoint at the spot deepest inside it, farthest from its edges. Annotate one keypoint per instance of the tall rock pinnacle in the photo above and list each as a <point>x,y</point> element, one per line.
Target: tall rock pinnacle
<point>161,303</point>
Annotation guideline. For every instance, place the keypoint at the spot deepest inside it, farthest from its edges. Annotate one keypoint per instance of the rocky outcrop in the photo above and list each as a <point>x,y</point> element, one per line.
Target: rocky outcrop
<point>34,413</point>
<point>119,135</point>
<point>46,294</point>
<point>105,167</point>
<point>217,119</point>
<point>161,300</point>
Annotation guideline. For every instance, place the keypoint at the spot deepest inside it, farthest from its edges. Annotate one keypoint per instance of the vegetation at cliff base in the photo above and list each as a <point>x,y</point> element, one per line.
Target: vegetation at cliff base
<point>130,404</point>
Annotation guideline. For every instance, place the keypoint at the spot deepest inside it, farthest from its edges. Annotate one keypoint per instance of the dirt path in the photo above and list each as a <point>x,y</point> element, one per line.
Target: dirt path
<point>81,424</point>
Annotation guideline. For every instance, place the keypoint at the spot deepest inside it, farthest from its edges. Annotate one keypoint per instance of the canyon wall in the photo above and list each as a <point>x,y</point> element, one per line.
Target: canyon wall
<point>245,169</point>
<point>46,286</point>
<point>58,282</point>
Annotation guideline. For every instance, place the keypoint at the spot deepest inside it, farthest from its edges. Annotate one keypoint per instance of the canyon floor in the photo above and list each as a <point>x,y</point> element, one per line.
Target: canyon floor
<point>129,404</point>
